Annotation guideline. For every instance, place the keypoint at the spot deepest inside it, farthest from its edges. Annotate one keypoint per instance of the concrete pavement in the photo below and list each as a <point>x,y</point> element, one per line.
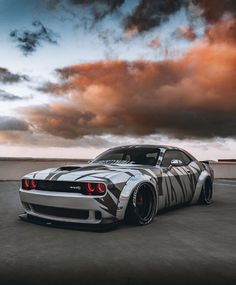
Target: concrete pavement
<point>190,245</point>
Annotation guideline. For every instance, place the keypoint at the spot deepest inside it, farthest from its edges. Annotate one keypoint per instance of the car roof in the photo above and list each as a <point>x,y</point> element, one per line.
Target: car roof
<point>146,146</point>
<point>163,147</point>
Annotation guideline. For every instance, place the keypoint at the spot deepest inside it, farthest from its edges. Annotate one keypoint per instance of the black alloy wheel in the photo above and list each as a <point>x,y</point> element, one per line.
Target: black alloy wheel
<point>142,205</point>
<point>206,193</point>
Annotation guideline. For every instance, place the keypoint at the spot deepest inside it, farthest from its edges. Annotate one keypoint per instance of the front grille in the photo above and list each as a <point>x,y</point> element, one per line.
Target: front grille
<point>60,212</point>
<point>61,186</point>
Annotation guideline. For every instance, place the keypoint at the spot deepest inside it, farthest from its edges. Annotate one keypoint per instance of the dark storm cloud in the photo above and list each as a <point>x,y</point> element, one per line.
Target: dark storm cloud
<point>151,13</point>
<point>193,96</point>
<point>61,120</point>
<point>148,14</point>
<point>213,10</point>
<point>12,124</point>
<point>28,41</point>
<point>5,96</point>
<point>8,77</point>
<point>100,8</point>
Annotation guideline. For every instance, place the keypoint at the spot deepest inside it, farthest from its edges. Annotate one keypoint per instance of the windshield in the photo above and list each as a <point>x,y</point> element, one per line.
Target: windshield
<point>132,155</point>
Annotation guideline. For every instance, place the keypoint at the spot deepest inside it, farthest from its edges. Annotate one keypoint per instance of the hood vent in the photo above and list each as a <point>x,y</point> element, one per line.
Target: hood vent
<point>68,168</point>
<point>83,168</point>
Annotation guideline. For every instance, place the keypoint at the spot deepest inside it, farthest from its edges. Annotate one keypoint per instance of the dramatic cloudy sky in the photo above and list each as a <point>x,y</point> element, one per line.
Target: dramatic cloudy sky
<point>79,76</point>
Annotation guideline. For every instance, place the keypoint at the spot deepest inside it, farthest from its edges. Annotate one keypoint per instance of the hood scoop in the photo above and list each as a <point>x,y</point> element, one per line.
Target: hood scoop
<point>83,168</point>
<point>68,168</point>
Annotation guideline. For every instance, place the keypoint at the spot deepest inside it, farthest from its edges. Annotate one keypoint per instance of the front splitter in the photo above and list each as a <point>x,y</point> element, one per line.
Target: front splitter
<point>69,225</point>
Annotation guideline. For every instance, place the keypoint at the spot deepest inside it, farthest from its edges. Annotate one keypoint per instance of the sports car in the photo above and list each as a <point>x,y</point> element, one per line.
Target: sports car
<point>131,183</point>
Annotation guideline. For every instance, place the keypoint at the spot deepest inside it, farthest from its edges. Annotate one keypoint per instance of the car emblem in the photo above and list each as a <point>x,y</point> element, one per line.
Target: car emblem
<point>75,187</point>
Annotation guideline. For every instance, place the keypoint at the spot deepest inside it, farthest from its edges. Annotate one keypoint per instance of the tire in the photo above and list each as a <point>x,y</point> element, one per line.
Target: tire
<point>206,193</point>
<point>142,205</point>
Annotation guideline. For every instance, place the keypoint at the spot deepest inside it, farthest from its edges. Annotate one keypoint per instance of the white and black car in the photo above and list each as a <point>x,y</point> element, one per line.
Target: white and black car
<point>131,183</point>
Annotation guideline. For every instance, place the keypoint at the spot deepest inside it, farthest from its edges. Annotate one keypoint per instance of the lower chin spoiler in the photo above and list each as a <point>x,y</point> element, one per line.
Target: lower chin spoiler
<point>106,225</point>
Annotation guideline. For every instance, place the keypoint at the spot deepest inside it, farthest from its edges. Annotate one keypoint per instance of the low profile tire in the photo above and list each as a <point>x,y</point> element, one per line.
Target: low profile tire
<point>142,206</point>
<point>206,193</point>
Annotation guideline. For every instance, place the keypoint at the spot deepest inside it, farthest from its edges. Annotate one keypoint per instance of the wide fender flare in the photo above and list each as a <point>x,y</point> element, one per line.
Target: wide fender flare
<point>128,190</point>
<point>200,183</point>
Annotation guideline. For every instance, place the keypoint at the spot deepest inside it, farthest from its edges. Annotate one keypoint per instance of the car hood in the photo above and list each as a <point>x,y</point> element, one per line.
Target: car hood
<point>92,172</point>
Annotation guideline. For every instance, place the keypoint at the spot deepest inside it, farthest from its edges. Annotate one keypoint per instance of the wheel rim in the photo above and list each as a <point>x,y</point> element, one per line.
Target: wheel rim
<point>144,203</point>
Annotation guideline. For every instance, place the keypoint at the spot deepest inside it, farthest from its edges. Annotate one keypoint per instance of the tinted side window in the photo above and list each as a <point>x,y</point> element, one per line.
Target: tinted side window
<point>175,154</point>
<point>170,155</point>
<point>186,159</point>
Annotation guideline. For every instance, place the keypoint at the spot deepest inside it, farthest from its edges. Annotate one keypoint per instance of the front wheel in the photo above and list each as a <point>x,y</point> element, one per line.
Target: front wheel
<point>142,205</point>
<point>207,193</point>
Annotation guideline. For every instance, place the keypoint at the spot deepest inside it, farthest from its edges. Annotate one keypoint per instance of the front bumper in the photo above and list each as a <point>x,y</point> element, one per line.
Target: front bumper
<point>63,207</point>
<point>105,225</point>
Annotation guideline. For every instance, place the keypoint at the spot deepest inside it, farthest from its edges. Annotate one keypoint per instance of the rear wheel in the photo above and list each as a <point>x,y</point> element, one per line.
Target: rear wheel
<point>142,205</point>
<point>207,193</point>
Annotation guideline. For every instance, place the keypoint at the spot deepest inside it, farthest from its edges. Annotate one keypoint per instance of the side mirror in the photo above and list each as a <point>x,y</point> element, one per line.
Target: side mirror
<point>176,162</point>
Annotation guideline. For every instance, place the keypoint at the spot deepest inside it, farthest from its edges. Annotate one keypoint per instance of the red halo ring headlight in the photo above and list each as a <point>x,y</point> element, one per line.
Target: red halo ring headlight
<point>90,188</point>
<point>33,184</point>
<point>100,188</point>
<point>26,184</point>
<point>95,188</point>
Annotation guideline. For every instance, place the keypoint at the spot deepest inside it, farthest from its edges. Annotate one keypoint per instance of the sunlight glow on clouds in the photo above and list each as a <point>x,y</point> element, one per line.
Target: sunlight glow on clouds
<point>117,73</point>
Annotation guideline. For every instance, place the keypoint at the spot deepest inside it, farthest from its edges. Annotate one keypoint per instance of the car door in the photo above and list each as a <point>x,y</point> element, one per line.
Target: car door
<point>193,170</point>
<point>176,181</point>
